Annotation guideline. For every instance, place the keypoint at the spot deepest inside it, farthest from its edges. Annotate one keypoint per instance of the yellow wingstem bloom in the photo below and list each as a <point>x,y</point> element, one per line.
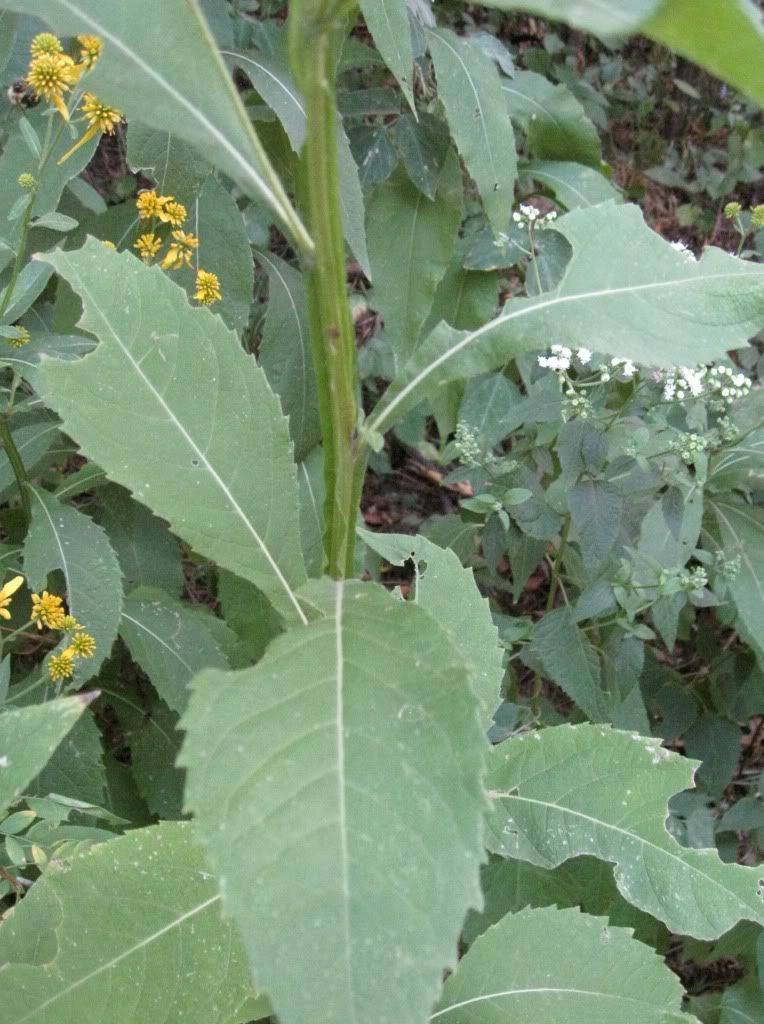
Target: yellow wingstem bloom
<point>6,593</point>
<point>90,49</point>
<point>173,213</point>
<point>45,42</point>
<point>207,288</point>
<point>148,246</point>
<point>180,251</point>
<point>47,610</point>
<point>83,645</point>
<point>51,75</point>
<point>69,623</point>
<point>60,667</point>
<point>21,339</point>
<point>99,116</point>
<point>149,204</point>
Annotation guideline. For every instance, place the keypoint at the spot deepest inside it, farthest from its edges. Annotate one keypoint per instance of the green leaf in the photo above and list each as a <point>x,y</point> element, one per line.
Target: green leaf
<point>152,735</point>
<point>285,352</point>
<point>423,143</point>
<point>570,660</point>
<point>411,244</point>
<point>554,121</point>
<point>170,641</point>
<point>202,420</point>
<point>448,591</point>
<point>33,434</point>
<point>596,508</point>
<point>61,537</point>
<point>671,527</point>
<point>271,77</point>
<point>302,810</point>
<point>587,789</point>
<point>75,769</point>
<point>469,86</point>
<point>388,23</point>
<point>742,531</point>
<point>249,615</point>
<point>560,967</point>
<point>174,165</point>
<point>28,738</point>
<point>572,184</point>
<point>310,476</point>
<point>192,96</point>
<point>624,286</point>
<point>168,955</point>
<point>351,201</point>
<point>464,298</point>
<point>594,16</point>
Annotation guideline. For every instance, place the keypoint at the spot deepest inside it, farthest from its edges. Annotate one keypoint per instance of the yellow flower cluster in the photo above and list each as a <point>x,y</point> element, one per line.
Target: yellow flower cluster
<point>182,244</point>
<point>48,611</point>
<point>6,593</point>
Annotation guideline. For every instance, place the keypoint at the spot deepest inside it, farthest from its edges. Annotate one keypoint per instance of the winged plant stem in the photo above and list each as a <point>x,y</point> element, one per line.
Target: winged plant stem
<point>316,33</point>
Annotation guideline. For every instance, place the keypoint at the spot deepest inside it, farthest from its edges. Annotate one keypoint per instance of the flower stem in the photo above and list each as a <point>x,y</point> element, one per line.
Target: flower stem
<point>17,465</point>
<point>20,253</point>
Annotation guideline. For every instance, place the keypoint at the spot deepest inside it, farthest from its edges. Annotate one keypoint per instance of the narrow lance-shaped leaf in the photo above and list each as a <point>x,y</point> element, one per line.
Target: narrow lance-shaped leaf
<point>388,23</point>
<point>173,402</point>
<point>469,86</point>
<point>28,737</point>
<point>61,537</point>
<point>590,790</point>
<point>625,292</point>
<point>166,956</point>
<point>560,967</point>
<point>191,95</point>
<point>315,830</point>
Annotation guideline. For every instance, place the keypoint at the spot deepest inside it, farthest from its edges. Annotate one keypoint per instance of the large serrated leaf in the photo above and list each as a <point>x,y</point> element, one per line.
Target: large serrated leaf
<point>191,95</point>
<point>176,384</point>
<point>469,86</point>
<point>165,956</point>
<point>448,591</point>
<point>570,660</point>
<point>588,789</point>
<point>625,291</point>
<point>560,967</point>
<point>61,537</point>
<point>28,737</point>
<point>315,830</point>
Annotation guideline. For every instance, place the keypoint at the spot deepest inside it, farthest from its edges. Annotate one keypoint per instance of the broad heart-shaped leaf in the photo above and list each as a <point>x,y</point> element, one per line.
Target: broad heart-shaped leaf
<point>191,95</point>
<point>448,591</point>
<point>285,352</point>
<point>587,789</point>
<point>334,810</point>
<point>388,23</point>
<point>560,967</point>
<point>469,86</point>
<point>61,537</point>
<point>165,956</point>
<point>177,412</point>
<point>742,531</point>
<point>170,641</point>
<point>625,292</point>
<point>28,737</point>
<point>411,244</point>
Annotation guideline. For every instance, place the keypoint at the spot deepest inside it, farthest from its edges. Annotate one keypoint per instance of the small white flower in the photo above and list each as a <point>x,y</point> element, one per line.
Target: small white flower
<point>563,351</point>
<point>584,356</point>
<point>685,250</point>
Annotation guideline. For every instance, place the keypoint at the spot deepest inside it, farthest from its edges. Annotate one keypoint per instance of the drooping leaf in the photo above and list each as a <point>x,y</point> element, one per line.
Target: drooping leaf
<point>61,537</point>
<point>75,769</point>
<point>388,23</point>
<point>670,530</point>
<point>28,737</point>
<point>170,641</point>
<point>570,660</point>
<point>167,955</point>
<point>742,531</point>
<point>411,244</point>
<point>285,352</point>
<point>469,86</point>
<point>302,742</point>
<point>188,467</point>
<point>447,590</point>
<point>586,789</point>
<point>351,201</point>
<point>193,96</point>
<point>625,292</point>
<point>572,184</point>
<point>560,967</point>
<point>271,77</point>
<point>151,732</point>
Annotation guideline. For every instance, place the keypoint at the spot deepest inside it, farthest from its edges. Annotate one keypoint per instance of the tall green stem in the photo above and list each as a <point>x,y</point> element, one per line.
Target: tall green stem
<point>316,32</point>
<point>17,465</point>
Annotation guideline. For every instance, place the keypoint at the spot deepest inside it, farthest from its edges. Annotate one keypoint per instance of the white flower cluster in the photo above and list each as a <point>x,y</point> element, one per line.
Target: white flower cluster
<point>623,369</point>
<point>531,215</point>
<point>717,381</point>
<point>685,250</point>
<point>562,357</point>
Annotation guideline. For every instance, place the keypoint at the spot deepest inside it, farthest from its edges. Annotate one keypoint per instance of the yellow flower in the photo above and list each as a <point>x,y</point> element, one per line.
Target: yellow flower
<point>83,645</point>
<point>61,666</point>
<point>47,610</point>
<point>45,42</point>
<point>90,49</point>
<point>99,116</point>
<point>107,242</point>
<point>27,181</point>
<point>180,251</point>
<point>149,204</point>
<point>173,213</point>
<point>51,75</point>
<point>6,593</point>
<point>757,216</point>
<point>207,288</point>
<point>69,623</point>
<point>148,246</point>
<point>21,339</point>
